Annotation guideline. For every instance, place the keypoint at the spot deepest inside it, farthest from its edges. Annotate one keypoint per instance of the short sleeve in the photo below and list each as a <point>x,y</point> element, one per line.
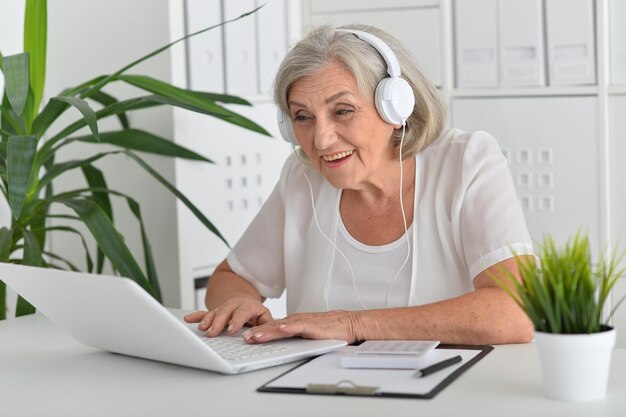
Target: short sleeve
<point>258,256</point>
<point>492,222</point>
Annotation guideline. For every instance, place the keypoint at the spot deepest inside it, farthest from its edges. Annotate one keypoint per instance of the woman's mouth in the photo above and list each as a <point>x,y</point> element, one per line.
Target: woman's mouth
<point>338,156</point>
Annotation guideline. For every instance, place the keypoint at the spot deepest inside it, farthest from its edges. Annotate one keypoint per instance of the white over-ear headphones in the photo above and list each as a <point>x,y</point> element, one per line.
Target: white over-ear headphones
<point>394,96</point>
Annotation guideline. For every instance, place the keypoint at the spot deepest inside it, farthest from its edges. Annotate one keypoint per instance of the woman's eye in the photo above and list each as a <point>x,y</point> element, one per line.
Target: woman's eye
<point>343,112</point>
<point>299,117</point>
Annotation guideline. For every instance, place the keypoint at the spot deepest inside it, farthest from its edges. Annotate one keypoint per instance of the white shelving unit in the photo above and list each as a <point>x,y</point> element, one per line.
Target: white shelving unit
<point>566,143</point>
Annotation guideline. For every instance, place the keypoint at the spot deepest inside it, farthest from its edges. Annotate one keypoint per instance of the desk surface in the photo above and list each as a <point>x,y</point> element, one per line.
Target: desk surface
<point>43,371</point>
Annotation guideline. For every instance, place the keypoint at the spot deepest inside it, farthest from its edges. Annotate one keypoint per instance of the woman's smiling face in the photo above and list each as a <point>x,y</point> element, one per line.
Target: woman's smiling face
<point>340,130</point>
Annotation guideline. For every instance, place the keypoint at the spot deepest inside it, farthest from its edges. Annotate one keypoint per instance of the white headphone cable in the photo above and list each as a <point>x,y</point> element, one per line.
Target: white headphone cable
<point>328,239</point>
<point>408,254</point>
<point>406,232</point>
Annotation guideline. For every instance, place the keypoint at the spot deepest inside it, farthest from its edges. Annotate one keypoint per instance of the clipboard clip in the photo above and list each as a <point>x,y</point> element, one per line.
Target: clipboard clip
<point>344,386</point>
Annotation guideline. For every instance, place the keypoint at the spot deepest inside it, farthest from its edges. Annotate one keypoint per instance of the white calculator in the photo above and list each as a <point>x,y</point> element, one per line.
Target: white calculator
<point>389,354</point>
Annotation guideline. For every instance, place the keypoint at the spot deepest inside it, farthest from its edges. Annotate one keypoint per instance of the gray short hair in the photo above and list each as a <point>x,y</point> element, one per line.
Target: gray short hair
<point>325,45</point>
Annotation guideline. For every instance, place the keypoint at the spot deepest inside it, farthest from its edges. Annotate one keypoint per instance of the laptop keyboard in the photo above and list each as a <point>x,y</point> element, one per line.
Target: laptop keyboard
<point>236,349</point>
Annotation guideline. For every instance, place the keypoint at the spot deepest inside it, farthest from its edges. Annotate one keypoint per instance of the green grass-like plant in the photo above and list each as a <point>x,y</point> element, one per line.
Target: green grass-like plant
<point>565,292</point>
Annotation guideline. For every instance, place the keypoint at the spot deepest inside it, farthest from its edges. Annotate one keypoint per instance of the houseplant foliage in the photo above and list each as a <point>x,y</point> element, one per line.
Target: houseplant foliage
<point>28,168</point>
<point>564,295</point>
<point>565,292</point>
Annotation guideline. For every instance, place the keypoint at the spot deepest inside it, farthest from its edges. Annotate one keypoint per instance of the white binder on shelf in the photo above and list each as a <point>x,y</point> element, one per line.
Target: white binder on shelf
<point>571,42</point>
<point>617,13</point>
<point>204,52</point>
<point>272,41</point>
<point>240,49</point>
<point>521,43</point>
<point>476,36</point>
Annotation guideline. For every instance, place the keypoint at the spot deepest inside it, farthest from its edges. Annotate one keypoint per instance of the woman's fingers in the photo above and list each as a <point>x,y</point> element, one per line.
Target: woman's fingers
<point>232,316</point>
<point>195,317</point>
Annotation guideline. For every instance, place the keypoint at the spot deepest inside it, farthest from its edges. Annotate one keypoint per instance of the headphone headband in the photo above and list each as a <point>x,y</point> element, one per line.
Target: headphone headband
<point>393,66</point>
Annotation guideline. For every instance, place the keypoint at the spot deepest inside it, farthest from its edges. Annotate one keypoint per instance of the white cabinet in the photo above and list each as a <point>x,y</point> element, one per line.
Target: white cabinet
<point>552,147</point>
<point>417,27</point>
<point>241,57</point>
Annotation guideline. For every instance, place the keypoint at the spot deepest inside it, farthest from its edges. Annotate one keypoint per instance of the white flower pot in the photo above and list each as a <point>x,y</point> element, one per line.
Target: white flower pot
<point>575,367</point>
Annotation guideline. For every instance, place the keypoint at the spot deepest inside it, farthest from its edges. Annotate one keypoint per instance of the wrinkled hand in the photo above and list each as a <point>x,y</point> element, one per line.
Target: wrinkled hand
<point>340,325</point>
<point>232,315</point>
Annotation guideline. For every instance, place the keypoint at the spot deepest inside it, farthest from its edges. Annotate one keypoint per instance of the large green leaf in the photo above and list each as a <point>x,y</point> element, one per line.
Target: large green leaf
<point>82,88</point>
<point>3,300</point>
<point>88,114</point>
<point>20,156</point>
<point>178,194</point>
<point>147,249</point>
<point>223,98</point>
<point>35,39</point>
<point>96,179</point>
<point>231,117</point>
<point>52,110</point>
<point>58,169</point>
<point>16,81</point>
<point>136,104</point>
<point>161,88</point>
<point>107,100</point>
<point>140,140</point>
<point>109,240</point>
<point>6,236</point>
<point>67,229</point>
<point>32,256</point>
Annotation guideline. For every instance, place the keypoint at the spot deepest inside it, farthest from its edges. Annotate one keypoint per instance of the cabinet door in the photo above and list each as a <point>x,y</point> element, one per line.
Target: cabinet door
<point>617,13</point>
<point>552,146</point>
<point>272,41</point>
<point>418,29</point>
<point>204,51</point>
<point>240,49</point>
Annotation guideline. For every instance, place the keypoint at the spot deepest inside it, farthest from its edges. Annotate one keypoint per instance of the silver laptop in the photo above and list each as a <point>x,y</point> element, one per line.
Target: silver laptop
<point>117,315</point>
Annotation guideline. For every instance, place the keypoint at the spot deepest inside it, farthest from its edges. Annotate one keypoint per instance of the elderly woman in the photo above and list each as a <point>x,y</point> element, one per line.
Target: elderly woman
<point>383,225</point>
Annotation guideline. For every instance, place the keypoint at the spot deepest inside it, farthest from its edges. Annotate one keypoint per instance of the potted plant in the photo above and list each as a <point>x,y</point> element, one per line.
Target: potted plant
<point>564,295</point>
<point>28,165</point>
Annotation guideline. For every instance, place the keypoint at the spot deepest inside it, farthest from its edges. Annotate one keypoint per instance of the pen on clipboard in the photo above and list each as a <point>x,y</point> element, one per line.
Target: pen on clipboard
<point>437,366</point>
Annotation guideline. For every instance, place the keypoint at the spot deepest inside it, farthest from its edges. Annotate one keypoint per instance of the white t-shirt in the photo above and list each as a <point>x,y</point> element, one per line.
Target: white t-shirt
<point>380,276</point>
<point>466,217</point>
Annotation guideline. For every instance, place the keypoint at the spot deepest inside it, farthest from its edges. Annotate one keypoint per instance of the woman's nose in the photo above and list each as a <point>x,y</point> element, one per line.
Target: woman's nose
<point>325,134</point>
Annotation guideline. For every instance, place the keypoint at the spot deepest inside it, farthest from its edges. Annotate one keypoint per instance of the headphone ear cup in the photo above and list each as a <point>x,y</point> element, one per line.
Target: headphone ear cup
<point>286,129</point>
<point>394,100</point>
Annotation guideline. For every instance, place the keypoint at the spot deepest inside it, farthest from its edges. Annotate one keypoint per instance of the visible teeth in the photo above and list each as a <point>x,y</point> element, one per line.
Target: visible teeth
<point>337,156</point>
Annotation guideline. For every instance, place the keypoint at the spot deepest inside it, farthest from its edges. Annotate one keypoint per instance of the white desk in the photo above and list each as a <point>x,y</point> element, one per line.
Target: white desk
<point>44,372</point>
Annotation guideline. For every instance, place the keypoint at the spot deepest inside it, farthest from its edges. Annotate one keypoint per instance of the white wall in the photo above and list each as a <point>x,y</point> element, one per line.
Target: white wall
<point>90,38</point>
